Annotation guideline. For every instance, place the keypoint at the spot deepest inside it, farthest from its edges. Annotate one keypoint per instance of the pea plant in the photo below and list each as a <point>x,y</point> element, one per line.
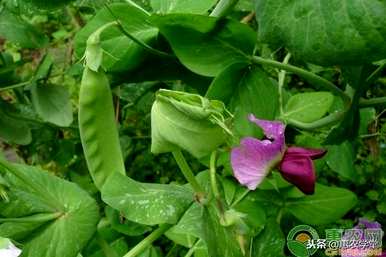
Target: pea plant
<point>262,105</point>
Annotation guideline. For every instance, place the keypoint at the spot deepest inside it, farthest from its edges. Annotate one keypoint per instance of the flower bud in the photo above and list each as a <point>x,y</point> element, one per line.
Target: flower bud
<point>186,121</point>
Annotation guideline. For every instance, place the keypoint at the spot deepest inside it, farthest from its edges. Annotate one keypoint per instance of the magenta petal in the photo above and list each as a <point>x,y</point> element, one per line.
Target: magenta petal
<point>272,129</point>
<point>253,159</point>
<point>299,170</point>
<point>306,152</point>
<point>365,223</point>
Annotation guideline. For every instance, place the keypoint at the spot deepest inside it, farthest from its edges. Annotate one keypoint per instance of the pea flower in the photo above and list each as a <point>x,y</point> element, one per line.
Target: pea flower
<point>254,158</point>
<point>364,251</point>
<point>8,249</point>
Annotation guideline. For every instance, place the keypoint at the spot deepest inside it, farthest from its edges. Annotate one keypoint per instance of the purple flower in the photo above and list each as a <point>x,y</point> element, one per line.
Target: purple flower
<point>362,252</point>
<point>254,158</point>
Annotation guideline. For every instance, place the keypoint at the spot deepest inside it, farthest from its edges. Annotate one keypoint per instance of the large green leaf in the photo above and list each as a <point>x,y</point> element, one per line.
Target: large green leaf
<point>65,215</point>
<point>248,90</point>
<point>206,45</point>
<point>329,32</point>
<point>255,94</point>
<point>271,242</point>
<point>327,205</point>
<point>220,240</point>
<point>16,30</point>
<point>341,159</point>
<point>182,6</point>
<point>189,227</point>
<point>121,53</point>
<point>13,130</point>
<point>53,104</point>
<point>308,107</point>
<point>147,204</point>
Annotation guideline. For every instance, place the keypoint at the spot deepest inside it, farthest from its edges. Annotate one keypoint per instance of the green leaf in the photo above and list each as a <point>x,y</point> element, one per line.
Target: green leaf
<point>121,53</point>
<point>127,227</point>
<point>271,242</point>
<point>118,247</point>
<point>18,31</point>
<point>182,6</point>
<point>148,204</point>
<point>206,45</point>
<point>12,129</point>
<point>255,93</point>
<point>245,6</point>
<point>189,227</point>
<point>183,121</point>
<point>156,68</point>
<point>68,216</point>
<point>341,158</point>
<point>367,116</point>
<point>327,205</point>
<point>308,107</point>
<point>217,235</point>
<point>223,86</point>
<point>329,33</point>
<point>53,104</point>
<point>254,215</point>
<point>150,252</point>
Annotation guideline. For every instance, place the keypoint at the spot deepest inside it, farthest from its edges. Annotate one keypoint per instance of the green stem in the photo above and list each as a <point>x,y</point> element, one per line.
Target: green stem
<point>213,181</point>
<point>372,102</point>
<point>107,250</point>
<point>187,172</point>
<point>307,75</point>
<point>223,7</point>
<point>145,243</point>
<point>21,84</point>
<point>241,197</point>
<point>280,215</point>
<point>193,248</point>
<point>281,80</point>
<point>328,120</point>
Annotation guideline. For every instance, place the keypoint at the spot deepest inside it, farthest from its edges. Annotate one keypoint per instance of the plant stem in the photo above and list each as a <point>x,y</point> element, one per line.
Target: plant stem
<point>328,120</point>
<point>193,248</point>
<point>281,79</point>
<point>107,250</point>
<point>279,216</point>
<point>223,7</point>
<point>187,172</point>
<point>372,102</point>
<point>241,197</point>
<point>309,76</point>
<point>212,170</point>
<point>145,243</point>
<point>21,84</point>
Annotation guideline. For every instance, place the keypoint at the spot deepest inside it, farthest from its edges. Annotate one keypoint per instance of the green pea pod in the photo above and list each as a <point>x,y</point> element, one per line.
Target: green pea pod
<point>98,130</point>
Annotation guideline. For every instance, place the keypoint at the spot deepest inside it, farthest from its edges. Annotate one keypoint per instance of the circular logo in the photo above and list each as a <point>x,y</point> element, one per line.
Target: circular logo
<point>298,239</point>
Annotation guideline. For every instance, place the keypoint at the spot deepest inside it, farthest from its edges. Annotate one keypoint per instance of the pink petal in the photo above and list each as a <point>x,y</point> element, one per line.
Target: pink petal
<point>272,129</point>
<point>253,159</point>
<point>306,152</point>
<point>300,171</point>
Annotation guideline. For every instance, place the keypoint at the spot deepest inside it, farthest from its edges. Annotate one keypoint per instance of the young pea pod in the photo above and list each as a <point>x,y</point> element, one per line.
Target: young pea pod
<point>98,130</point>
